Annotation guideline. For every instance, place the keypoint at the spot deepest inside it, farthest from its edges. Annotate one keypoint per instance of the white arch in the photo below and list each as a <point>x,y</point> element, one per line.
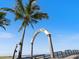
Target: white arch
<point>49,39</point>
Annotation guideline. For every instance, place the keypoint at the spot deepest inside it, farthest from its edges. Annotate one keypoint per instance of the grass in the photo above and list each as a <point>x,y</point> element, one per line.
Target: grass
<point>5,57</point>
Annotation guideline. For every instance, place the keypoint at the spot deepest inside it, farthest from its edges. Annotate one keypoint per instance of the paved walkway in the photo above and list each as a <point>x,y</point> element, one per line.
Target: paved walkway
<point>72,57</point>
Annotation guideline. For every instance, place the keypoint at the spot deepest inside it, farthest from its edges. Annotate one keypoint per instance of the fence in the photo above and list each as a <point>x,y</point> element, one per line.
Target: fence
<point>66,53</point>
<point>59,54</point>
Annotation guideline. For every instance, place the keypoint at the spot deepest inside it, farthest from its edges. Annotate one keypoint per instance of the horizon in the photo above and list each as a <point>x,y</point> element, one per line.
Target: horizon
<point>63,24</point>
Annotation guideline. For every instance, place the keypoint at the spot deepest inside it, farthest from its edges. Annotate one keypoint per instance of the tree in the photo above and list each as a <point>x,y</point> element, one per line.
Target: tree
<point>29,14</point>
<point>15,51</point>
<point>3,21</point>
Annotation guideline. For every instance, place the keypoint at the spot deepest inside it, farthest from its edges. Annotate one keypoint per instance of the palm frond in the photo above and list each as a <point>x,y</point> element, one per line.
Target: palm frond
<point>2,14</point>
<point>31,24</point>
<point>40,15</point>
<point>3,21</point>
<point>20,5</point>
<point>31,1</point>
<point>3,27</point>
<point>35,7</point>
<point>27,9</point>
<point>22,26</point>
<point>8,9</point>
<point>30,4</point>
<point>18,16</point>
<point>6,21</point>
<point>34,21</point>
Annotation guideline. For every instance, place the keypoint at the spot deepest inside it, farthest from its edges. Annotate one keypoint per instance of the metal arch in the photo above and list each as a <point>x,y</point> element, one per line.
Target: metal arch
<point>49,39</point>
<point>37,32</point>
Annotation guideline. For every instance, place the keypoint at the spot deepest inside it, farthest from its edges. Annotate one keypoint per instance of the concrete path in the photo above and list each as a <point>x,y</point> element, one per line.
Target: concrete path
<point>72,57</point>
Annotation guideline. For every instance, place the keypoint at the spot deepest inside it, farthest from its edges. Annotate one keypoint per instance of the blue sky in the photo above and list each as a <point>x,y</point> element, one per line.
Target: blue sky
<point>63,23</point>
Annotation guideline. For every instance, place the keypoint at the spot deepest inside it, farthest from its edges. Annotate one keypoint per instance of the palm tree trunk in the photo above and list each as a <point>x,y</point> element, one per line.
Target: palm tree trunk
<point>14,52</point>
<point>21,45</point>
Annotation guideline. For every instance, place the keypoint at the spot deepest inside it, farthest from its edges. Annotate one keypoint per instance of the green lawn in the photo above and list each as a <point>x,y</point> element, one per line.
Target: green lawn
<point>5,57</point>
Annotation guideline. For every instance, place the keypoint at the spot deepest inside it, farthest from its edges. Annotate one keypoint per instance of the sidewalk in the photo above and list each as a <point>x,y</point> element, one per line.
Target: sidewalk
<point>71,57</point>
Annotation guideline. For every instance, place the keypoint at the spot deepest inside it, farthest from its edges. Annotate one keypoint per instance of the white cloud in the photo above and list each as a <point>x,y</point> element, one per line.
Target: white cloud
<point>6,35</point>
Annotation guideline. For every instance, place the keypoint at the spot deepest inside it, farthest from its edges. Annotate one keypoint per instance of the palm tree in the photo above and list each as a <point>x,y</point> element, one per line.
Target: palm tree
<point>3,21</point>
<point>15,51</point>
<point>29,14</point>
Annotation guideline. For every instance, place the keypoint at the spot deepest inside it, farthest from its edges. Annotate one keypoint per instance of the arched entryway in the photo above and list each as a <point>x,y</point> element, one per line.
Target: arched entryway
<point>49,40</point>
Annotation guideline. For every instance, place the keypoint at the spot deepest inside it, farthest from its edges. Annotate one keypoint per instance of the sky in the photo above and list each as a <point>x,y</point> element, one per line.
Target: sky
<point>63,24</point>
